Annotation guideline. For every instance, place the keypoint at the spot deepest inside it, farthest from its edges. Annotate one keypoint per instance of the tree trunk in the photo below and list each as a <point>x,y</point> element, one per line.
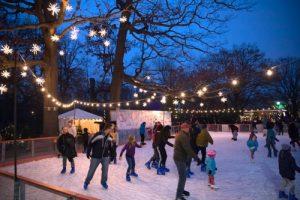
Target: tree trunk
<point>50,112</point>
<point>117,75</point>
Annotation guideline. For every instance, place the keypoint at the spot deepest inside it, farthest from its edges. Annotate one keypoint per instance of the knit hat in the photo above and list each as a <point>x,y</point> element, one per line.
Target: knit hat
<point>211,153</point>
<point>285,147</point>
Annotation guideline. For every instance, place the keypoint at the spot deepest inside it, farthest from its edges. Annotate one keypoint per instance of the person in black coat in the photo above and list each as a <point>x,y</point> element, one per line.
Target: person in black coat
<point>85,138</point>
<point>66,147</point>
<point>161,142</point>
<point>287,169</point>
<point>99,149</point>
<point>293,134</point>
<point>234,131</point>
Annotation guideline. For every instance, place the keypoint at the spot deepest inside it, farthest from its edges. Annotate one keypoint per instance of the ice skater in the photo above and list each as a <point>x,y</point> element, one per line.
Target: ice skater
<point>161,142</point>
<point>202,142</point>
<point>211,168</point>
<point>99,149</point>
<point>293,134</point>
<point>130,152</point>
<point>66,147</point>
<point>287,169</point>
<point>252,144</point>
<point>271,140</point>
<point>115,142</point>
<point>182,152</point>
<point>234,131</point>
<point>143,132</point>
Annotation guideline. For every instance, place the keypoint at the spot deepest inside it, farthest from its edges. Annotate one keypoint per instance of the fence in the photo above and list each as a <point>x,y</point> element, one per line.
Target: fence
<point>29,187</point>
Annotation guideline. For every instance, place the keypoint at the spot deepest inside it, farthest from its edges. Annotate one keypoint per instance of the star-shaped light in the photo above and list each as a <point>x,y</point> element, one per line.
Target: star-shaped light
<point>74,33</point>
<point>23,74</point>
<point>5,74</point>
<point>61,52</point>
<point>200,93</point>
<point>35,49</point>
<point>53,8</point>
<point>106,43</point>
<point>223,99</point>
<point>25,67</point>
<point>183,101</point>
<point>144,104</point>
<point>54,38</point>
<point>204,89</point>
<point>92,33</point>
<point>135,95</point>
<point>3,88</point>
<point>40,81</point>
<point>123,19</point>
<point>175,102</point>
<point>6,49</point>
<point>102,32</point>
<point>163,100</point>
<point>220,94</point>
<point>69,7</point>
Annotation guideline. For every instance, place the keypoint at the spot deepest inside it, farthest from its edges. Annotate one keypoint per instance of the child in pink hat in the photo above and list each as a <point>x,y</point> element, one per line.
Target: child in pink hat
<point>211,168</point>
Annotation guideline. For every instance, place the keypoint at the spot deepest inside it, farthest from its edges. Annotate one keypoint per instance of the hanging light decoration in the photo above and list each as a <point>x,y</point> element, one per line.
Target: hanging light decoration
<point>234,82</point>
<point>40,81</point>
<point>127,103</point>
<point>5,74</point>
<point>6,49</point>
<point>25,67</point>
<point>123,19</point>
<point>23,74</point>
<point>74,33</point>
<point>182,94</point>
<point>223,99</point>
<point>201,104</point>
<point>92,33</point>
<point>69,7</point>
<point>270,72</point>
<point>102,32</point>
<point>175,102</point>
<point>135,95</point>
<point>200,93</point>
<point>148,100</point>
<point>61,53</point>
<point>54,38</point>
<point>183,101</point>
<point>137,102</point>
<point>3,88</point>
<point>163,100</point>
<point>204,89</point>
<point>35,49</point>
<point>106,43</point>
<point>53,8</point>
<point>144,104</point>
<point>220,94</point>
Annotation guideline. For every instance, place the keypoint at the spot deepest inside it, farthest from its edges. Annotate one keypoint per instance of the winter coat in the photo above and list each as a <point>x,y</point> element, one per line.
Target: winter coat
<point>287,165</point>
<point>233,128</point>
<point>142,129</point>
<point>130,149</point>
<point>252,145</point>
<point>270,136</point>
<point>162,138</point>
<point>204,138</point>
<point>156,131</point>
<point>100,146</point>
<point>210,166</point>
<point>182,148</point>
<point>194,133</point>
<point>115,137</point>
<point>293,132</point>
<point>66,145</point>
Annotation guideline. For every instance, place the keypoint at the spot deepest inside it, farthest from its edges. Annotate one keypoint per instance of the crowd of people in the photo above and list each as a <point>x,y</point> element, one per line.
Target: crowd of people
<point>101,148</point>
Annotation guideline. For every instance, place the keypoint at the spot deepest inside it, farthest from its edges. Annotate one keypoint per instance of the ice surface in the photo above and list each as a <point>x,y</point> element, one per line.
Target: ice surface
<point>237,176</point>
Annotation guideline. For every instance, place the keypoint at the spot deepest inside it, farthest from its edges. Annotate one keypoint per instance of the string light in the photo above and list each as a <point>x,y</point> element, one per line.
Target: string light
<point>204,89</point>
<point>220,94</point>
<point>53,8</point>
<point>175,102</point>
<point>35,49</point>
<point>144,104</point>
<point>141,90</point>
<point>148,100</point>
<point>54,38</point>
<point>106,43</point>
<point>118,104</point>
<point>127,103</point>
<point>25,67</point>
<point>23,74</point>
<point>40,81</point>
<point>69,7</point>
<point>74,33</point>
<point>148,77</point>
<point>183,101</point>
<point>223,99</point>
<point>61,53</point>
<point>102,32</point>
<point>6,49</point>
<point>163,100</point>
<point>3,88</point>
<point>234,82</point>
<point>123,19</point>
<point>270,72</point>
<point>92,33</point>
<point>43,89</point>
<point>137,102</point>
<point>182,94</point>
<point>201,104</point>
<point>5,74</point>
<point>135,95</point>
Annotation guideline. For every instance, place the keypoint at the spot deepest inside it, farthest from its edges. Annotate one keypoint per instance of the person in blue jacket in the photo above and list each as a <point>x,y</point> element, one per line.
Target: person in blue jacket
<point>211,168</point>
<point>142,133</point>
<point>252,144</point>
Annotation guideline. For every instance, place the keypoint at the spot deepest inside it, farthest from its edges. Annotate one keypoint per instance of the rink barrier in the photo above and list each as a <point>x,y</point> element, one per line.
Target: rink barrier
<point>46,187</point>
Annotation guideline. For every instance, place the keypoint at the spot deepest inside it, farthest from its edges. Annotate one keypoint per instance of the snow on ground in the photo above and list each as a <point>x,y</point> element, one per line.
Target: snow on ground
<point>237,176</point>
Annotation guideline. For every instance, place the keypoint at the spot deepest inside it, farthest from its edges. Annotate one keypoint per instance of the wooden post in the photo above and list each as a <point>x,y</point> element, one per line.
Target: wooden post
<point>32,148</point>
<point>3,152</point>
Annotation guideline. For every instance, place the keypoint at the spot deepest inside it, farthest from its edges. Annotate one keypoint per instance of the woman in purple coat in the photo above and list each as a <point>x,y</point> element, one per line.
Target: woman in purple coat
<point>130,151</point>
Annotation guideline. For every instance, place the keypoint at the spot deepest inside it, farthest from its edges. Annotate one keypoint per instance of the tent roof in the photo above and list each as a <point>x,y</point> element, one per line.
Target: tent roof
<point>79,114</point>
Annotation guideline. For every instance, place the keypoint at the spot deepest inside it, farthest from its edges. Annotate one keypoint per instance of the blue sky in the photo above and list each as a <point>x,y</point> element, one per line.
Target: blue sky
<point>273,25</point>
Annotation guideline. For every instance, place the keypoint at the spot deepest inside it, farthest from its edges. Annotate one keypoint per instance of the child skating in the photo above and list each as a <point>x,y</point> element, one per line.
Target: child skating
<point>271,140</point>
<point>287,169</point>
<point>211,168</point>
<point>252,144</point>
<point>130,152</point>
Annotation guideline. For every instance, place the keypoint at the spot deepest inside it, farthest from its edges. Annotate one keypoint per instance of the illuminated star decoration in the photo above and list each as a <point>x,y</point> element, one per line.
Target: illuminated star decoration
<point>40,81</point>
<point>3,88</point>
<point>69,7</point>
<point>5,74</point>
<point>74,33</point>
<point>23,74</point>
<point>54,38</point>
<point>102,32</point>
<point>220,94</point>
<point>106,43</point>
<point>223,99</point>
<point>200,93</point>
<point>163,100</point>
<point>53,8</point>
<point>35,49</point>
<point>92,33</point>
<point>61,52</point>
<point>123,19</point>
<point>144,104</point>
<point>6,49</point>
<point>175,102</point>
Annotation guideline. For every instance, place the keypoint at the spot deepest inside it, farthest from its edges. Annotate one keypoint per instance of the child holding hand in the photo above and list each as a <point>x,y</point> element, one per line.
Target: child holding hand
<point>252,144</point>
<point>211,168</point>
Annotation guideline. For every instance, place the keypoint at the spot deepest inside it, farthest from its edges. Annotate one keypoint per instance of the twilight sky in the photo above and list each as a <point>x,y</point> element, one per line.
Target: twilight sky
<point>273,25</point>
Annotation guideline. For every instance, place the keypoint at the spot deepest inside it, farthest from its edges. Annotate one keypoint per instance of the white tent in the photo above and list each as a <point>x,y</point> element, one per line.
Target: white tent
<point>81,118</point>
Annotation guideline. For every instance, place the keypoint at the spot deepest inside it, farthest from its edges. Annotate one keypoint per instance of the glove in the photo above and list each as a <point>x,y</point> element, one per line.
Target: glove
<point>209,172</point>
